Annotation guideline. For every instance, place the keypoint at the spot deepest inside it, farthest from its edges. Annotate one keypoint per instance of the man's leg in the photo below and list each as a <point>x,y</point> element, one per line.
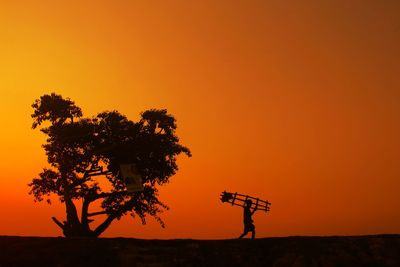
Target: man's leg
<point>245,231</point>
<point>253,232</point>
<point>242,235</point>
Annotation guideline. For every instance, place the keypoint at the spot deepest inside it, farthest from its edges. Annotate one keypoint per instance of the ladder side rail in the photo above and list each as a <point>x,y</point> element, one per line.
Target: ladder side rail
<point>260,200</point>
<point>262,205</point>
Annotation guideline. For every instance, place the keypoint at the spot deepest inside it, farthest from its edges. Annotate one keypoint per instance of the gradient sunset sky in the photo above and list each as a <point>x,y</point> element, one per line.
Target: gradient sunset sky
<point>297,102</point>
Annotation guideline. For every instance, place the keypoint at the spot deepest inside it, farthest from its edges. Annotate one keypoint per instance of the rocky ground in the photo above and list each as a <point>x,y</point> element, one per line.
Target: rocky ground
<point>379,250</point>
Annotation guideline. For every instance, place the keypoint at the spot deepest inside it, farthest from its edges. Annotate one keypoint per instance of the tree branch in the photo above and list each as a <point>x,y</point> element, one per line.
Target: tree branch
<point>88,175</point>
<point>79,182</point>
<point>97,213</point>
<point>60,224</point>
<point>98,173</point>
<point>108,194</point>
<point>103,226</point>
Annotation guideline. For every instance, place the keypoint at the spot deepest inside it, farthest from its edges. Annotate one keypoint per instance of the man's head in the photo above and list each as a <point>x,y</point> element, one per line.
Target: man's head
<point>249,202</point>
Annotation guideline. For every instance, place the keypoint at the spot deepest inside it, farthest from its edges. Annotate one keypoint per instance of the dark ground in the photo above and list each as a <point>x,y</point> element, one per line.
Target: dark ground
<point>378,250</point>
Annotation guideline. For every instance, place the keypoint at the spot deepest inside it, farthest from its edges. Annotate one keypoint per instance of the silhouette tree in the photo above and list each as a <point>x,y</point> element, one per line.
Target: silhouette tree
<point>82,150</point>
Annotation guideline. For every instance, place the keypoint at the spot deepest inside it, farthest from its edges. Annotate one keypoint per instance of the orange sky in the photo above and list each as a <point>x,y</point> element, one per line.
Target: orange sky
<point>295,102</point>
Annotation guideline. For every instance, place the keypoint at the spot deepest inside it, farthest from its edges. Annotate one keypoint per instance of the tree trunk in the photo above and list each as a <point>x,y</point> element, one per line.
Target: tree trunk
<point>76,230</point>
<point>84,214</point>
<point>73,227</point>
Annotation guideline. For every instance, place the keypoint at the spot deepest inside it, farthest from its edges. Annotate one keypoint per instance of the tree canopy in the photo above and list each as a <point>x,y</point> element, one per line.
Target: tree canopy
<point>81,150</point>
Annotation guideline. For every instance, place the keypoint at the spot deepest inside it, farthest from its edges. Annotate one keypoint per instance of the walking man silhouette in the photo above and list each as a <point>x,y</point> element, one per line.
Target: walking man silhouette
<point>247,220</point>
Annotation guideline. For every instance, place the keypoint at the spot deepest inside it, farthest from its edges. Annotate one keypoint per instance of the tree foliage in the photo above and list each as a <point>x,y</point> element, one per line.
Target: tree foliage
<point>81,150</point>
